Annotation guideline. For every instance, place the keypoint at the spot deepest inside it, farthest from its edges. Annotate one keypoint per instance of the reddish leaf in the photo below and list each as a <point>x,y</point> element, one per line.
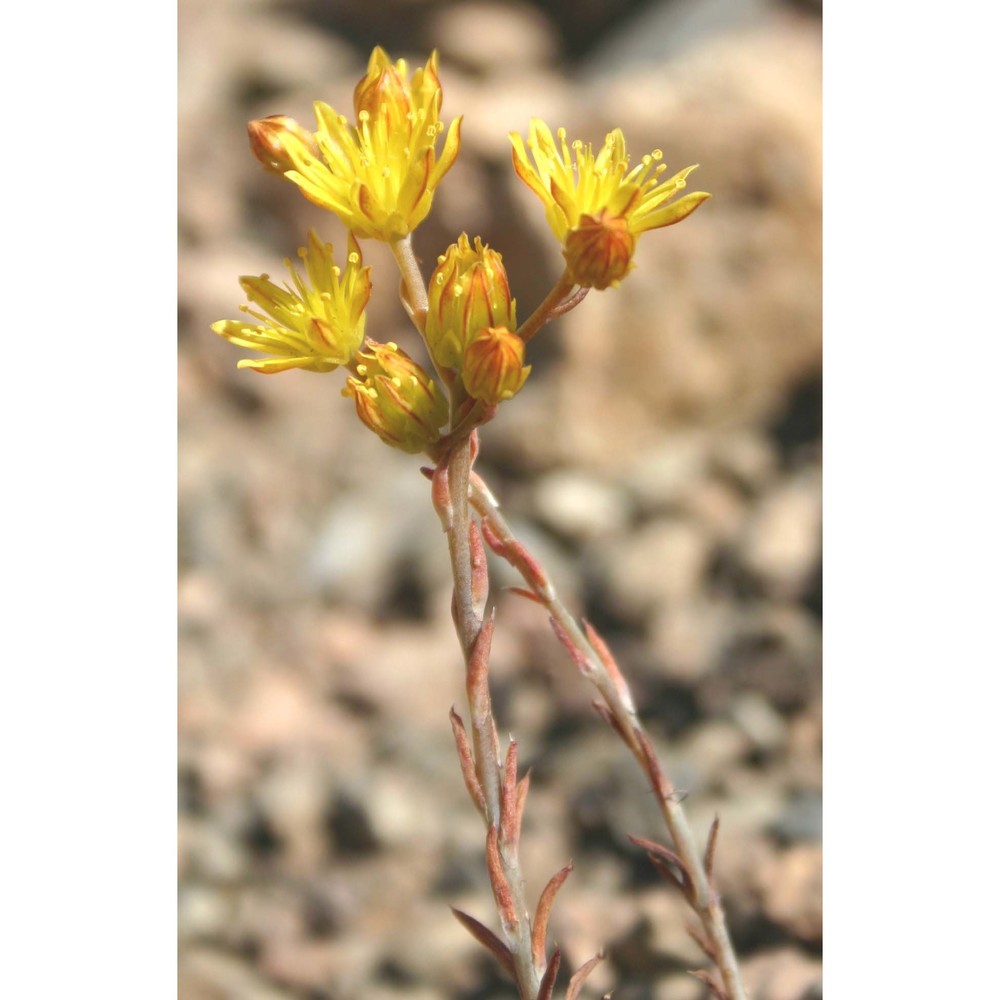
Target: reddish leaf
<point>498,880</point>
<point>549,979</point>
<point>713,836</point>
<point>488,940</point>
<point>718,990</point>
<point>579,657</point>
<point>467,763</point>
<point>543,910</point>
<point>580,976</point>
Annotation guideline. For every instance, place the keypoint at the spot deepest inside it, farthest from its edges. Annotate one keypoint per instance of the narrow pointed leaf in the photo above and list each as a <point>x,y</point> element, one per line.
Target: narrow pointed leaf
<point>467,763</point>
<point>580,976</point>
<point>549,979</point>
<point>718,991</point>
<point>488,940</point>
<point>713,836</point>
<point>542,911</point>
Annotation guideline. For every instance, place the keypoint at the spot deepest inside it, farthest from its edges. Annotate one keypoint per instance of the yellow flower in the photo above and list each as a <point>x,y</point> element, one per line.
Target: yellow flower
<point>467,291</point>
<point>316,323</point>
<point>379,175</point>
<point>396,398</point>
<point>596,205</point>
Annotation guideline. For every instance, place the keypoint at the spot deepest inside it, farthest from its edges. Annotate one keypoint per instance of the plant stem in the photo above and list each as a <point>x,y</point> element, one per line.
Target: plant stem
<point>413,280</point>
<point>605,676</point>
<point>544,312</point>
<point>469,626</point>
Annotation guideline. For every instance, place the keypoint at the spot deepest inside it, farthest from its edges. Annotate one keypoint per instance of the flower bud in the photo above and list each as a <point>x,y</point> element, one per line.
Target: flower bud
<point>396,398</point>
<point>493,367</point>
<point>468,291</point>
<point>383,87</point>
<point>269,139</point>
<point>599,250</point>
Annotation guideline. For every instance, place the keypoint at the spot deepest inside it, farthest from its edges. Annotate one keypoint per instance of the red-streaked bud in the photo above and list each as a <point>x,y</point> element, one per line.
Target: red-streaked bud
<point>396,398</point>
<point>269,138</point>
<point>384,91</point>
<point>467,291</point>
<point>493,368</point>
<point>599,250</point>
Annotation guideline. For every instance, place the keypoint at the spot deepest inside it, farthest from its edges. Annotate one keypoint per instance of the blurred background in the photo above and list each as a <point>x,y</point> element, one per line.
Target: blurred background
<point>663,460</point>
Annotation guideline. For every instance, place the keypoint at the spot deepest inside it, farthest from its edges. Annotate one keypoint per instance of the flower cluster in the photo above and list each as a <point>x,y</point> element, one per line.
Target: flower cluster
<point>378,175</point>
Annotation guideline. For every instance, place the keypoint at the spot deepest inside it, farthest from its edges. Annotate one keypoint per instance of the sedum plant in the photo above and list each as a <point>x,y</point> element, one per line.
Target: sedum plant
<point>378,175</point>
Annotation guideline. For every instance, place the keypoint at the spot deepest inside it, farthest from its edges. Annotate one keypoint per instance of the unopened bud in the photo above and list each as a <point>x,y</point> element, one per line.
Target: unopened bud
<point>397,399</point>
<point>269,141</point>
<point>468,291</point>
<point>599,250</point>
<point>384,86</point>
<point>493,367</point>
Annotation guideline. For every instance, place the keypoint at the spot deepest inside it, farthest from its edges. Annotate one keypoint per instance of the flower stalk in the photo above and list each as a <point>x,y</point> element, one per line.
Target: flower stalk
<point>596,664</point>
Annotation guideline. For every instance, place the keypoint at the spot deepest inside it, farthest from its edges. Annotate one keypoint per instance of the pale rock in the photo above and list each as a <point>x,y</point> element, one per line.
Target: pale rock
<point>763,726</point>
<point>783,974</point>
<point>792,891</point>
<point>202,912</point>
<point>686,636</point>
<point>714,749</point>
<point>745,456</point>
<point>579,506</point>
<point>294,797</point>
<point>782,541</point>
<point>488,36</point>
<point>682,987</point>
<point>665,475</point>
<point>665,561</point>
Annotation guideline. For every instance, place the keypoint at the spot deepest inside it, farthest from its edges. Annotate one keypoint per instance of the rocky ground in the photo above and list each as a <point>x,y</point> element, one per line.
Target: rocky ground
<point>663,458</point>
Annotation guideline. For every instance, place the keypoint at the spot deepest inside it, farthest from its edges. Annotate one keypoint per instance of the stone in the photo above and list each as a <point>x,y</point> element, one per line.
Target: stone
<point>792,887</point>
<point>782,540</point>
<point>579,507</point>
<point>783,974</point>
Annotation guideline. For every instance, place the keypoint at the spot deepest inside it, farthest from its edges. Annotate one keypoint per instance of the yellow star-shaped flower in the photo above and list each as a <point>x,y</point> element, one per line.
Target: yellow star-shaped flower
<point>379,174</point>
<point>595,204</point>
<point>316,323</point>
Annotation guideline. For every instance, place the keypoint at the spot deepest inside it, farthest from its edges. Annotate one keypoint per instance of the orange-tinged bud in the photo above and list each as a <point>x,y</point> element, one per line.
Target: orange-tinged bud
<point>599,250</point>
<point>468,291</point>
<point>384,86</point>
<point>396,398</point>
<point>493,367</point>
<point>269,138</point>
